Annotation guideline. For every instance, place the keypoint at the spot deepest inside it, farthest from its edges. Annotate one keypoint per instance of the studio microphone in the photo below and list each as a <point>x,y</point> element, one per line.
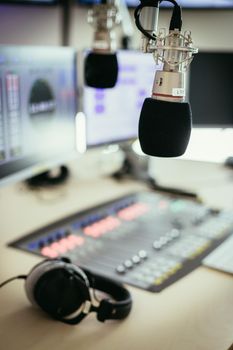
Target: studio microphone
<point>101,66</point>
<point>166,120</point>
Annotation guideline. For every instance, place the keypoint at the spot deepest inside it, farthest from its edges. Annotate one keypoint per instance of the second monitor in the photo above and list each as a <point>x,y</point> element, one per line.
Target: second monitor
<point>112,115</point>
<point>37,110</point>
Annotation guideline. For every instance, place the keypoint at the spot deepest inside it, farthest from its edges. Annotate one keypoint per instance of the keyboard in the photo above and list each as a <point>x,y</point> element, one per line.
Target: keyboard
<point>222,257</point>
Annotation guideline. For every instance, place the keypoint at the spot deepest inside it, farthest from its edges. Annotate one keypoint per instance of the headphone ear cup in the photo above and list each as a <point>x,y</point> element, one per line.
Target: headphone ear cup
<point>60,292</point>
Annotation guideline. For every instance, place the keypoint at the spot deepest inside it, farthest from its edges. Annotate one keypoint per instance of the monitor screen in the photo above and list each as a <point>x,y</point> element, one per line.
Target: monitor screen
<point>210,89</point>
<point>192,4</point>
<point>37,109</point>
<point>112,115</point>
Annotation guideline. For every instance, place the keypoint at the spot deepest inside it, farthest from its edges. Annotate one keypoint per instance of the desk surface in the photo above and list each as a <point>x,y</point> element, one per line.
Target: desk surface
<point>194,313</point>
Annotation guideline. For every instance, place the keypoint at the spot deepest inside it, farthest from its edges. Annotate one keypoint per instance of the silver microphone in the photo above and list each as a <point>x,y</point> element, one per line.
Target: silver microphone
<point>166,119</point>
<point>104,18</point>
<point>101,65</point>
<point>176,52</point>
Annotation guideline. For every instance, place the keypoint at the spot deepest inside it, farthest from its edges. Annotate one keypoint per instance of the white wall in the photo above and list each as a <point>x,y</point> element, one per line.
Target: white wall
<point>25,25</point>
<point>210,29</point>
<point>42,26</point>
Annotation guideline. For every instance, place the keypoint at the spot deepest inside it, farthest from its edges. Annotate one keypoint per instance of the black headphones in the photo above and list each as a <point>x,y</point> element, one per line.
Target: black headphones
<point>47,179</point>
<point>67,292</point>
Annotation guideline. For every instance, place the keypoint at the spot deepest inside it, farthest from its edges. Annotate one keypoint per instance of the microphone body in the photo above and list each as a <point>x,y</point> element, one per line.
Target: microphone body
<point>101,66</point>
<point>165,121</point>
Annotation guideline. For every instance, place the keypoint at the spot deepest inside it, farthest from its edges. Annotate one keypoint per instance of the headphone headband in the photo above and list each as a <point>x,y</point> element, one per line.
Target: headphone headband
<point>109,309</point>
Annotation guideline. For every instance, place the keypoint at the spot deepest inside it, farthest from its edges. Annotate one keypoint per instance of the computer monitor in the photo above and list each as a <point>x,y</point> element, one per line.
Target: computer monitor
<point>210,89</point>
<point>37,109</point>
<point>112,115</point>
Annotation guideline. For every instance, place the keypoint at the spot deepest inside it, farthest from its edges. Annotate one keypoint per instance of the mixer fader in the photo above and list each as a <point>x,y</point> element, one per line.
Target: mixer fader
<point>145,239</point>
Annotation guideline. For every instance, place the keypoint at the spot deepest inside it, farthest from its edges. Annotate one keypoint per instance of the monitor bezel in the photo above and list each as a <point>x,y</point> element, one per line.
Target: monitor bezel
<point>112,142</point>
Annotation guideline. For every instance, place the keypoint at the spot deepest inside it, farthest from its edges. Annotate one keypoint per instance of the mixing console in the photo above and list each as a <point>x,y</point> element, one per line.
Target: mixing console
<point>144,239</point>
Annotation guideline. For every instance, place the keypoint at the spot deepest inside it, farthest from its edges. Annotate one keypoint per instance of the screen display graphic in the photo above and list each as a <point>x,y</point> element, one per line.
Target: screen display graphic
<point>37,106</point>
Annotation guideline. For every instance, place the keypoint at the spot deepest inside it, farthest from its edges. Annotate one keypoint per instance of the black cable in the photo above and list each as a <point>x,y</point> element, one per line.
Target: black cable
<point>176,19</point>
<point>12,279</point>
<point>171,1</point>
<point>153,185</point>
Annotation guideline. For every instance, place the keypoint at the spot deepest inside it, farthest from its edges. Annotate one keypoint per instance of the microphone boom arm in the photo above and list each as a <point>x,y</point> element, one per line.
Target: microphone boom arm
<point>126,22</point>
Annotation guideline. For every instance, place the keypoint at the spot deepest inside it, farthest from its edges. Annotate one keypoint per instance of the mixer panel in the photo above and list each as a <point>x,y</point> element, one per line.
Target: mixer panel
<point>144,239</point>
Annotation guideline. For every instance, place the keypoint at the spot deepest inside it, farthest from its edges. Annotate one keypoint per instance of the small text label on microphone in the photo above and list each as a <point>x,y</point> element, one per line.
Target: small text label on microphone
<point>178,92</point>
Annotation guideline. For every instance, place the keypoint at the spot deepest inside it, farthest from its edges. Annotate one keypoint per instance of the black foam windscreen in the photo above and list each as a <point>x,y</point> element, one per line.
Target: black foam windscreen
<point>101,70</point>
<point>164,127</point>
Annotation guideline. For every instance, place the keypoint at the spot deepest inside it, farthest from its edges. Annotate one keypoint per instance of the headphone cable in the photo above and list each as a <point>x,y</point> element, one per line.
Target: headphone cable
<point>12,279</point>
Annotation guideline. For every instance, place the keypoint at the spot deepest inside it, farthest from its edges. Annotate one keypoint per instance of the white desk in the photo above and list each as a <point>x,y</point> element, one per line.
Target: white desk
<point>196,313</point>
